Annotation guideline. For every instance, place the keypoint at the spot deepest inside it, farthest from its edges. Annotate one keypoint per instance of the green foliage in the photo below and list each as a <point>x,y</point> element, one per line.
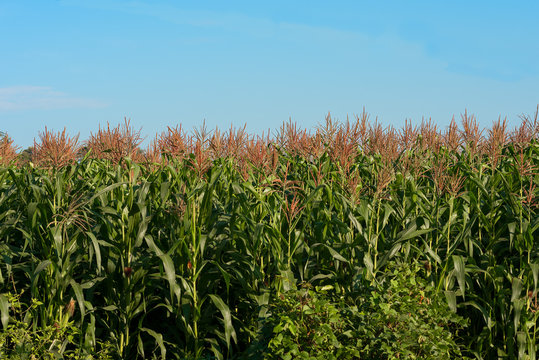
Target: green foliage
<point>402,316</point>
<point>169,261</point>
<point>21,339</point>
<point>305,324</point>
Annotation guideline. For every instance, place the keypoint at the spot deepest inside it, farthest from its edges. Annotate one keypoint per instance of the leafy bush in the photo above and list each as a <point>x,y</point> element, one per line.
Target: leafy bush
<point>20,339</point>
<point>404,317</point>
<point>399,317</point>
<point>307,325</point>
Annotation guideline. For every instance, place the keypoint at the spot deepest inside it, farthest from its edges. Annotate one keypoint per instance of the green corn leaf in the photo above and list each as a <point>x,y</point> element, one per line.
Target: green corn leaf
<point>200,269</point>
<point>42,266</point>
<point>354,221</point>
<point>143,227</point>
<point>106,189</point>
<point>159,339</point>
<point>165,191</point>
<point>521,341</point>
<point>4,311</point>
<point>516,289</point>
<point>451,300</point>
<point>335,254</point>
<point>227,319</point>
<point>411,232</point>
<point>518,305</point>
<point>168,264</point>
<point>170,274</point>
<point>215,348</point>
<point>225,274</point>
<point>140,346</point>
<point>388,211</point>
<point>143,192</point>
<point>288,280</point>
<point>79,295</point>
<point>97,250</point>
<point>389,255</point>
<point>58,240</point>
<point>263,301</point>
<point>89,336</point>
<point>486,314</point>
<point>431,253</point>
<point>367,260</point>
<point>535,271</point>
<point>320,276</point>
<point>460,272</point>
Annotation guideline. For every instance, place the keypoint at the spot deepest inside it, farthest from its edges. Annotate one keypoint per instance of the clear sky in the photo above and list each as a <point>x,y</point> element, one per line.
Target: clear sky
<point>79,64</point>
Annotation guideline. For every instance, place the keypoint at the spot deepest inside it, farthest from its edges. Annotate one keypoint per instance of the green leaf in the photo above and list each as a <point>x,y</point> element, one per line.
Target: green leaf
<point>518,305</point>
<point>451,300</point>
<point>227,319</point>
<point>168,264</point>
<point>335,254</point>
<point>4,311</point>
<point>431,253</point>
<point>388,211</point>
<point>368,263</point>
<point>486,314</point>
<point>225,274</point>
<point>516,289</point>
<point>97,250</point>
<point>288,280</point>
<point>41,266</point>
<point>165,191</point>
<point>79,295</point>
<point>411,232</point>
<point>460,272</point>
<point>159,339</point>
<point>58,240</point>
<point>354,222</point>
<point>535,271</point>
<point>106,189</point>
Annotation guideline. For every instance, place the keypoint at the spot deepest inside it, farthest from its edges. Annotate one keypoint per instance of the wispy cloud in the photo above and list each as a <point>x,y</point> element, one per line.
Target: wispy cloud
<point>24,97</point>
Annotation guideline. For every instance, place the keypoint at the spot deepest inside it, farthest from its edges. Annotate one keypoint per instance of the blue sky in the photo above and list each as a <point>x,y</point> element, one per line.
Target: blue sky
<point>79,64</point>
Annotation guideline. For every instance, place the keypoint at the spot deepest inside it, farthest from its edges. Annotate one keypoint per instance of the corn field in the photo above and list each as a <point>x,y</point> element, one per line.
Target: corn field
<point>184,249</point>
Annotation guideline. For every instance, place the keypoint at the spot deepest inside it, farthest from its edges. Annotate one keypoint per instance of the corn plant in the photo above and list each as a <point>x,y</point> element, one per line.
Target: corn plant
<point>183,251</point>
